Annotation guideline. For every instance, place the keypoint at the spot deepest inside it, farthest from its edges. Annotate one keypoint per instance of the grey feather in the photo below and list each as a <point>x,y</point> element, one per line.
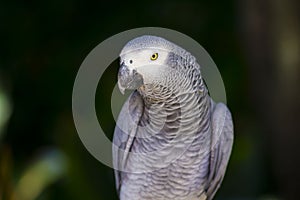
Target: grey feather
<point>171,140</point>
<point>122,141</point>
<point>222,140</point>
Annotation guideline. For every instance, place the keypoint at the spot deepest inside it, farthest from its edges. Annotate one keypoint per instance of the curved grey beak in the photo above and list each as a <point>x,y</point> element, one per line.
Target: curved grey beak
<point>129,79</point>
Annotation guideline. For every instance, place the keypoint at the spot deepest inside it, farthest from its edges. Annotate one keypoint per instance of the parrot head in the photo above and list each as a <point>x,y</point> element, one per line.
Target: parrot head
<point>144,61</point>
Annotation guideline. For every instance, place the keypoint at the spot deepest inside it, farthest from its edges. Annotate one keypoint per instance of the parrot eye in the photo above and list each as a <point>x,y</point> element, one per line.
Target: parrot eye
<point>154,56</point>
<point>130,61</point>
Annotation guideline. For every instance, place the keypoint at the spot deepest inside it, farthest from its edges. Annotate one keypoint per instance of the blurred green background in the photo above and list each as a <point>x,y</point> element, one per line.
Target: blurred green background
<point>255,44</point>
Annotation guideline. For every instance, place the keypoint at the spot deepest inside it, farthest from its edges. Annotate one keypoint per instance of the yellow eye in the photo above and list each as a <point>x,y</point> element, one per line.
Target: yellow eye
<point>154,56</point>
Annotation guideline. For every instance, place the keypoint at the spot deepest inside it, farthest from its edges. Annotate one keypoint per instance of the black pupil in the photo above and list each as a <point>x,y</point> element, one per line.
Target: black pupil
<point>130,61</point>
<point>153,56</point>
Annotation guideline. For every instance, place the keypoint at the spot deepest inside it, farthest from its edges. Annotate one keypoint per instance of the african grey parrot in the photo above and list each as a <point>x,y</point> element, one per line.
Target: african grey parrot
<point>171,140</point>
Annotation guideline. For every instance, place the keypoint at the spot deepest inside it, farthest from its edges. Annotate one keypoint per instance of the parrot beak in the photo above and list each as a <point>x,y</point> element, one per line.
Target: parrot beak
<point>129,78</point>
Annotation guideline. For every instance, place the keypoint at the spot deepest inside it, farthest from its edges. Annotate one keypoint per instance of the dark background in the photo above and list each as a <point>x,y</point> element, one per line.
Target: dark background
<point>255,44</point>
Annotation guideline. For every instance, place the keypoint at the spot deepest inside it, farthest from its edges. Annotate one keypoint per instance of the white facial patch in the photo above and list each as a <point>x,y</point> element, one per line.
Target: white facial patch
<point>141,57</point>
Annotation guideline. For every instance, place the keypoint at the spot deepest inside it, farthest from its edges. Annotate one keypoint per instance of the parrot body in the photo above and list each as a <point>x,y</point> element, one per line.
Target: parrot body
<point>171,141</point>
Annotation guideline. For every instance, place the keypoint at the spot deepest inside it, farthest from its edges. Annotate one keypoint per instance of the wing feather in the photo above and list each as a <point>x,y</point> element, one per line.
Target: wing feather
<point>222,140</point>
<point>125,131</point>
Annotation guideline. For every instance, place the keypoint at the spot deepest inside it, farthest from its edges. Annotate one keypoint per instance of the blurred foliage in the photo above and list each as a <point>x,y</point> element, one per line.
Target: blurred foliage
<point>43,44</point>
<point>5,110</point>
<point>40,174</point>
